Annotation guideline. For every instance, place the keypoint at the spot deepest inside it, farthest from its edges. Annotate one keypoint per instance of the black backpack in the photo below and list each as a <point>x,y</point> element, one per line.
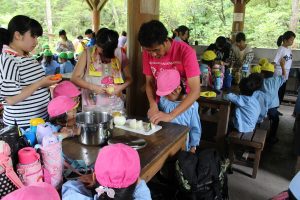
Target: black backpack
<point>202,176</point>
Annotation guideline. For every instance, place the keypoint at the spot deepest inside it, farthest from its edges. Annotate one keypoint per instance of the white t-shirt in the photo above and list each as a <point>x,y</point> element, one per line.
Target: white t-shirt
<point>285,53</point>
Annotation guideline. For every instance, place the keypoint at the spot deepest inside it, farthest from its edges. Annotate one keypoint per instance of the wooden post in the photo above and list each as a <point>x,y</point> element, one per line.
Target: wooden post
<point>139,11</point>
<point>238,16</point>
<point>95,19</point>
<point>96,7</point>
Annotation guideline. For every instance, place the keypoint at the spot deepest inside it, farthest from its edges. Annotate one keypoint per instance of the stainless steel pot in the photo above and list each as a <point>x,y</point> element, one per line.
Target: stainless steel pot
<point>95,127</point>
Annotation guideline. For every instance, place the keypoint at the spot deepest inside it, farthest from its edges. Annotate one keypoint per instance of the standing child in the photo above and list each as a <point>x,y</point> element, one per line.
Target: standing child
<point>48,63</point>
<point>117,171</point>
<point>270,87</point>
<point>284,53</point>
<point>171,92</point>
<point>247,108</point>
<point>65,65</point>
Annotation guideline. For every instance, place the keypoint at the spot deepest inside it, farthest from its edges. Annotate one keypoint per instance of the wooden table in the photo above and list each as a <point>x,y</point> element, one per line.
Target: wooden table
<point>160,146</point>
<point>215,121</point>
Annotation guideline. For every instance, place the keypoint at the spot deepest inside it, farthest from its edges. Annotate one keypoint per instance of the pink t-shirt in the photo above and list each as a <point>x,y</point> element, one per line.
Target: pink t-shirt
<point>180,57</point>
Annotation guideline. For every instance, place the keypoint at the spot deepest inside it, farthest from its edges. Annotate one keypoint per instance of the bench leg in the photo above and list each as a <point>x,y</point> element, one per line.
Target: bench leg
<point>256,162</point>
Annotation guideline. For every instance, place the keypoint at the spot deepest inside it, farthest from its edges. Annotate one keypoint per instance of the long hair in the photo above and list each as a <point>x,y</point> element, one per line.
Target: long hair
<point>121,193</point>
<point>107,40</point>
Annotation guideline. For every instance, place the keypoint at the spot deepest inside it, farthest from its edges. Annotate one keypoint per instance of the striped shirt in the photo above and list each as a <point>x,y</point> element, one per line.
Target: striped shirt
<point>17,73</point>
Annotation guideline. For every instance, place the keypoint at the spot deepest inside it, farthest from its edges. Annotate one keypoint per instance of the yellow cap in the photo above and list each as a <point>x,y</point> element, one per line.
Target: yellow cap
<point>263,61</point>
<point>256,69</point>
<point>36,121</point>
<point>268,67</point>
<point>209,55</point>
<point>208,94</point>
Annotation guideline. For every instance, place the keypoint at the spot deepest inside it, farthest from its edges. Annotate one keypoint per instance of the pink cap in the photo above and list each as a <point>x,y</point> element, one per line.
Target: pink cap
<point>28,155</point>
<point>66,88</point>
<point>117,166</point>
<point>60,105</point>
<point>167,82</point>
<point>39,190</point>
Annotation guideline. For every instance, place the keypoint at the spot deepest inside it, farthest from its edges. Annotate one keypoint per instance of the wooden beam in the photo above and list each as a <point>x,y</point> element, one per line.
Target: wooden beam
<point>89,4</point>
<point>238,16</point>
<point>101,5</point>
<point>139,11</point>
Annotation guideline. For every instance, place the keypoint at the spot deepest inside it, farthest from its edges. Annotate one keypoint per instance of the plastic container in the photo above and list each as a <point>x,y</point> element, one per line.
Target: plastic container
<point>28,155</point>
<point>34,122</point>
<point>217,81</point>
<point>205,77</point>
<point>227,79</point>
<point>245,70</point>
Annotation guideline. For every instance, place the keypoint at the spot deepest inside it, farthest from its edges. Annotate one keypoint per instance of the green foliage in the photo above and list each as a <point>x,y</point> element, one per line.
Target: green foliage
<point>265,20</point>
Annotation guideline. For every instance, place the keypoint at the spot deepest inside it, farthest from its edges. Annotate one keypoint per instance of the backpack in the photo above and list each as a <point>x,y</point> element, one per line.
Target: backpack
<point>9,181</point>
<point>202,176</point>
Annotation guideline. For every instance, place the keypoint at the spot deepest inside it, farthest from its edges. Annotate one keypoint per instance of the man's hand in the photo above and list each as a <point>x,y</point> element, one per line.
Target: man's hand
<point>161,117</point>
<point>152,110</point>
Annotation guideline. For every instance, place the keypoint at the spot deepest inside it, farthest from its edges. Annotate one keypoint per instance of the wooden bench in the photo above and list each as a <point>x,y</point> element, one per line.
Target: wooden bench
<point>253,140</point>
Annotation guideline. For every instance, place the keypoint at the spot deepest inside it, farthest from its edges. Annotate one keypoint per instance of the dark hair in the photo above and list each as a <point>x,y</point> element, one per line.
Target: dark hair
<point>48,59</point>
<point>152,33</point>
<point>240,37</point>
<point>88,31</point>
<point>4,38</point>
<point>80,37</point>
<point>107,40</point>
<point>267,74</point>
<point>257,80</point>
<point>21,24</point>
<point>221,42</point>
<point>62,32</point>
<point>72,60</point>
<point>287,35</point>
<point>124,33</point>
<point>209,63</point>
<point>121,193</point>
<point>183,90</point>
<point>248,85</point>
<point>182,29</point>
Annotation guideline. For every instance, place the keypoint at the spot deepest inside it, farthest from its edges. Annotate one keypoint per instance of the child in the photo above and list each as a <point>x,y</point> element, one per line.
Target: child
<point>71,58</point>
<point>172,93</point>
<point>247,108</point>
<point>208,63</point>
<point>65,65</point>
<point>270,87</point>
<point>63,109</point>
<point>117,171</point>
<point>48,63</point>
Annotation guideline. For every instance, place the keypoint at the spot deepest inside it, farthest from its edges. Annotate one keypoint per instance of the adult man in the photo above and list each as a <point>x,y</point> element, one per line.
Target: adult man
<point>161,53</point>
<point>222,49</point>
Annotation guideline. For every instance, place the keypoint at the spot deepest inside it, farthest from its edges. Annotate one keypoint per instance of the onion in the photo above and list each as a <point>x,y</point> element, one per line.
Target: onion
<point>119,120</point>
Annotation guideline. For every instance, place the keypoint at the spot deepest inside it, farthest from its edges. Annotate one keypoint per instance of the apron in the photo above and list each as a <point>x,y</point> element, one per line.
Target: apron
<point>105,75</point>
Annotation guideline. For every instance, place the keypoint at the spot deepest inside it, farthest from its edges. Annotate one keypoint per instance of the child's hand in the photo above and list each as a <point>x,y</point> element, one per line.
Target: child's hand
<point>282,62</point>
<point>152,110</point>
<point>161,117</point>
<point>98,89</point>
<point>88,180</point>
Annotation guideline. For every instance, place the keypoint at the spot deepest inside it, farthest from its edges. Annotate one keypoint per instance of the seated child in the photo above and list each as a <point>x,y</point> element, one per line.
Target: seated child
<point>39,190</point>
<point>247,108</point>
<point>71,58</point>
<point>172,92</point>
<point>65,65</point>
<point>270,87</point>
<point>67,88</point>
<point>48,63</point>
<point>117,171</point>
<point>260,96</point>
<point>208,63</point>
<point>59,108</point>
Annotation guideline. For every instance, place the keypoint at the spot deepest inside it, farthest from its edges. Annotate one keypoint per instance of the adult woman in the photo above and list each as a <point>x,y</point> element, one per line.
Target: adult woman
<point>284,57</point>
<point>23,85</point>
<point>64,44</point>
<point>99,72</point>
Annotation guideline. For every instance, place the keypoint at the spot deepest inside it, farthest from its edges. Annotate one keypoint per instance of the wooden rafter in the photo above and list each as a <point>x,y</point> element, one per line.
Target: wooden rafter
<point>101,5</point>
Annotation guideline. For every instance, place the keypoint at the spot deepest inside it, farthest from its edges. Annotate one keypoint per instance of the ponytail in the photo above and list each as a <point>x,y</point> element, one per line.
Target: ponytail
<point>279,40</point>
<point>4,38</point>
<point>286,36</point>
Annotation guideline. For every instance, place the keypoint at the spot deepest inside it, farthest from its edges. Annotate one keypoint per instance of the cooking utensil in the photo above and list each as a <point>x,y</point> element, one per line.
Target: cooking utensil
<point>95,127</point>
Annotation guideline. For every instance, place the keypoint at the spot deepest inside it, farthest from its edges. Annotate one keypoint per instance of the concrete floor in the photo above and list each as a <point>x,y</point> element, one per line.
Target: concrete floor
<point>276,166</point>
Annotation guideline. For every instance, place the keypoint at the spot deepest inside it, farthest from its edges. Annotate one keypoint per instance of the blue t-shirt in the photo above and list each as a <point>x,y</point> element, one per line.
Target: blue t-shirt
<point>72,190</point>
<point>91,42</point>
<point>264,104</point>
<point>270,88</point>
<point>50,68</point>
<point>66,67</point>
<point>189,118</point>
<point>247,112</point>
